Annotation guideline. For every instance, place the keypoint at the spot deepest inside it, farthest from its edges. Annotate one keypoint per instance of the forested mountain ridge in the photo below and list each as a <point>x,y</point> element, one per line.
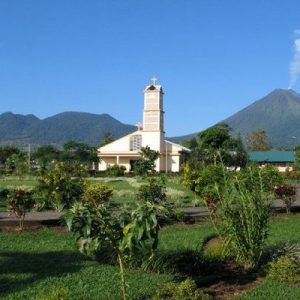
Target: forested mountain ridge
<point>83,127</point>
<point>278,113</point>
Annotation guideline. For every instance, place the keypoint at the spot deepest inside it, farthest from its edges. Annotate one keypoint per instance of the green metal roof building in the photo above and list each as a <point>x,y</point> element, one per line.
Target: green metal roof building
<point>275,157</point>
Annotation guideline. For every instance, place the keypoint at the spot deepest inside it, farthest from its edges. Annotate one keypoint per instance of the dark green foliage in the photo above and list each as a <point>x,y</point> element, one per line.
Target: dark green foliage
<point>287,194</point>
<point>4,193</point>
<point>17,164</point>
<point>44,155</point>
<point>297,158</point>
<point>115,171</point>
<point>216,145</point>
<point>154,191</point>
<point>185,290</point>
<point>203,182</point>
<point>20,202</point>
<point>146,163</point>
<point>258,141</point>
<point>82,127</point>
<point>185,262</point>
<point>6,152</point>
<point>81,152</point>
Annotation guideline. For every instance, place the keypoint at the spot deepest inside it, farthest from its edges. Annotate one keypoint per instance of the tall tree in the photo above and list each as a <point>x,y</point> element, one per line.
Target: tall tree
<point>45,155</point>
<point>6,152</point>
<point>258,141</point>
<point>81,152</point>
<point>146,163</point>
<point>214,142</point>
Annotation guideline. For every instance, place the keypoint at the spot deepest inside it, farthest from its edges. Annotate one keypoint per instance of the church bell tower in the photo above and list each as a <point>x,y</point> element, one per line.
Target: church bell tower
<point>153,117</point>
<point>153,120</point>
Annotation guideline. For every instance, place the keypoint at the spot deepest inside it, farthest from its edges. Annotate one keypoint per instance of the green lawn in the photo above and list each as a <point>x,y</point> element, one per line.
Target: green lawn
<point>125,189</point>
<point>35,263</point>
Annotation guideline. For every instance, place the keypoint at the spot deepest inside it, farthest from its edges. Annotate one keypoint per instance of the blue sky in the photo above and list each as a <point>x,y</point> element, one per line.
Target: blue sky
<point>212,57</point>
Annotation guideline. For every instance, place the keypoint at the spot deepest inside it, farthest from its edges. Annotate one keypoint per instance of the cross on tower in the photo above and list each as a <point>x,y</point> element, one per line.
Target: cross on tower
<point>153,80</point>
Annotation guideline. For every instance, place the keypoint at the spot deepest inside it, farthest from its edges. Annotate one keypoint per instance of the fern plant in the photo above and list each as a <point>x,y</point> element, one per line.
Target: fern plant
<point>242,219</point>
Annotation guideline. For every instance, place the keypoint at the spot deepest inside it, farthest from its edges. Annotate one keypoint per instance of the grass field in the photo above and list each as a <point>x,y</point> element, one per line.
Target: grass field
<point>125,189</point>
<point>35,263</point>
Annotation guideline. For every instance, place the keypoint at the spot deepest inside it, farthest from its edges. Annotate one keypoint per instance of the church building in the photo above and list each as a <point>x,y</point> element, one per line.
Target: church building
<point>126,150</point>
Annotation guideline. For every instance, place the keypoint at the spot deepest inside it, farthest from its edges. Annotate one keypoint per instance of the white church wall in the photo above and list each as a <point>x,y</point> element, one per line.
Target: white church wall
<point>121,144</point>
<point>105,162</point>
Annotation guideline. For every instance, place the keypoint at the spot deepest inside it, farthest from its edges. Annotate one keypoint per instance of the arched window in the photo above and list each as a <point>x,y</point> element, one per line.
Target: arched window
<point>135,142</point>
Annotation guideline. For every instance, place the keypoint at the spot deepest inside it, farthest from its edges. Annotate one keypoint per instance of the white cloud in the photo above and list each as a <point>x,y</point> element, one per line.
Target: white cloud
<point>295,63</point>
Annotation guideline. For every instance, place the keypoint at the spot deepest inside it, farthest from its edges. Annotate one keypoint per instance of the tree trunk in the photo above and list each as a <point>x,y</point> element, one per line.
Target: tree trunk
<point>122,275</point>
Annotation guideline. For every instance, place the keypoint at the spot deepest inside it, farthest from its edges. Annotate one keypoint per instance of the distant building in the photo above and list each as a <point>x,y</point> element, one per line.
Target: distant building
<point>283,160</point>
<point>126,150</point>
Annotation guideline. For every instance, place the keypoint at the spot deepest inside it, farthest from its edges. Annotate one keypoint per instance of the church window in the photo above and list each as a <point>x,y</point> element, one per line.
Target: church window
<point>135,142</point>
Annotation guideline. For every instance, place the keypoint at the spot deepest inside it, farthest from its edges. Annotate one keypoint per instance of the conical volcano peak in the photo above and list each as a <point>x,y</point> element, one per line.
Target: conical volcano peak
<point>285,93</point>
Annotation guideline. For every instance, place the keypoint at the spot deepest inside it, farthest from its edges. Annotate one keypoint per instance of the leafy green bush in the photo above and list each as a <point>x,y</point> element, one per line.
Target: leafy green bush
<point>20,202</point>
<point>59,189</point>
<point>287,194</point>
<point>288,249</point>
<point>202,181</point>
<point>146,163</point>
<point>253,177</point>
<point>185,290</point>
<point>283,269</point>
<point>97,194</point>
<point>154,191</point>
<point>125,236</point>
<point>115,171</point>
<point>4,193</point>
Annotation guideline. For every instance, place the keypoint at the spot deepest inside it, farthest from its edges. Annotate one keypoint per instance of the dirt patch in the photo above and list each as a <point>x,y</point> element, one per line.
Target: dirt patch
<point>229,281</point>
<point>32,228</point>
<point>225,291</point>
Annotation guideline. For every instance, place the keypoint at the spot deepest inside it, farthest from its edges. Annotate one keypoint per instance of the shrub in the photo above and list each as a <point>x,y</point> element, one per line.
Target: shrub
<point>115,171</point>
<point>288,249</point>
<point>242,220</point>
<point>253,178</point>
<point>154,191</point>
<point>185,290</point>
<point>214,249</point>
<point>284,270</point>
<point>186,262</point>
<point>287,194</point>
<point>59,189</point>
<point>97,194</point>
<point>146,163</point>
<point>4,192</point>
<point>203,181</point>
<point>20,202</point>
